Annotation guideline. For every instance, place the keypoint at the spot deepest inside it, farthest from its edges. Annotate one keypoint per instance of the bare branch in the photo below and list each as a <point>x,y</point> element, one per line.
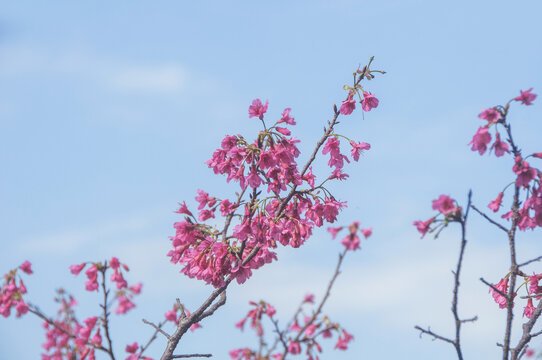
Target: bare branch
<point>436,336</point>
<point>530,261</point>
<point>190,356</point>
<point>489,219</point>
<point>157,328</point>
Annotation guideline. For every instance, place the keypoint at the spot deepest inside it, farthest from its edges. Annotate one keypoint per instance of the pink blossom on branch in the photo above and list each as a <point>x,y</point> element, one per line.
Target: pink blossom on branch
<point>492,115</point>
<point>496,204</point>
<point>257,109</point>
<point>481,139</point>
<point>502,286</point>
<point>348,105</point>
<point>369,101</point>
<point>423,226</point>
<point>500,147</point>
<point>26,267</point>
<point>444,204</point>
<point>526,97</point>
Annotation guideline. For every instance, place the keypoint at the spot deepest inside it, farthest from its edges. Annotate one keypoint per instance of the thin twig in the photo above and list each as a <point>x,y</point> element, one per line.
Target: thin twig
<point>494,288</point>
<point>191,356</point>
<point>530,261</point>
<point>157,328</point>
<point>436,336</point>
<point>489,219</point>
<point>104,306</point>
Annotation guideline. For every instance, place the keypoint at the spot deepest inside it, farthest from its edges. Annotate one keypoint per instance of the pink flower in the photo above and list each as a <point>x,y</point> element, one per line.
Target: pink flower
<point>309,298</point>
<point>131,349</point>
<point>529,309</point>
<point>257,109</point>
<point>526,97</point>
<point>96,339</point>
<point>342,342</point>
<point>357,148</point>
<point>348,105</point>
<point>496,204</point>
<point>171,315</point>
<point>524,172</point>
<point>423,226</point>
<point>136,289</point>
<point>492,115</point>
<point>183,209</point>
<point>76,269</point>
<point>334,231</point>
<point>294,348</point>
<point>283,131</point>
<point>444,204</point>
<point>367,232</point>
<point>502,286</point>
<point>26,267</point>
<point>369,101</point>
<point>480,140</point>
<point>351,242</point>
<point>529,352</point>
<point>270,310</point>
<point>500,146</point>
<point>114,263</point>
<point>21,308</point>
<point>286,118</point>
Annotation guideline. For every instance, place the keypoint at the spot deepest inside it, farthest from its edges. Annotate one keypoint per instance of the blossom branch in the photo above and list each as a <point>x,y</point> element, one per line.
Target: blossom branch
<point>526,336</point>
<point>158,329</point>
<point>106,313</point>
<point>457,341</point>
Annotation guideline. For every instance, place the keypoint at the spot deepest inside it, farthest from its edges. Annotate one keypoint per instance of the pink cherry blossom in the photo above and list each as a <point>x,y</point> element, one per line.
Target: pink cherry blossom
<point>503,287</point>
<point>496,204</point>
<point>423,226</point>
<point>286,118</point>
<point>257,109</point>
<point>357,148</point>
<point>492,115</point>
<point>524,172</point>
<point>132,348</point>
<point>76,269</point>
<point>526,97</point>
<point>369,101</point>
<point>348,105</point>
<point>529,309</point>
<point>500,147</point>
<point>480,140</point>
<point>444,204</point>
<point>26,267</point>
<point>294,348</point>
<point>367,232</point>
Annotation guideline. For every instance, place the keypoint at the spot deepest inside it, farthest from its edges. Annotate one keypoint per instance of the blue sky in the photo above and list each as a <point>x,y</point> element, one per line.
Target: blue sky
<point>108,111</point>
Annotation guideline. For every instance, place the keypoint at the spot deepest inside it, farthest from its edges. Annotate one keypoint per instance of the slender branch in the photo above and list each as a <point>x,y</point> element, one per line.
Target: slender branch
<point>191,356</point>
<point>527,336</point>
<point>322,302</point>
<point>457,273</point>
<point>530,261</point>
<point>104,306</point>
<point>436,336</point>
<point>157,329</point>
<point>489,219</point>
<point>494,288</point>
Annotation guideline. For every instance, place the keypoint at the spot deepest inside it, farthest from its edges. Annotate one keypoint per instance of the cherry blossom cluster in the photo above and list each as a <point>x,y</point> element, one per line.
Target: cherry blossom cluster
<point>124,293</point>
<point>528,178</point>
<point>303,333</point>
<point>286,215</point>
<point>445,206</point>
<point>11,293</point>
<point>134,351</point>
<point>66,338</point>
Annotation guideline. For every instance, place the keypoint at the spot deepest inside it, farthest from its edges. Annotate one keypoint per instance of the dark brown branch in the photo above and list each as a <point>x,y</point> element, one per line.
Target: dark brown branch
<point>530,261</point>
<point>494,288</point>
<point>489,219</point>
<point>191,356</point>
<point>457,273</point>
<point>527,336</point>
<point>436,336</point>
<point>104,306</point>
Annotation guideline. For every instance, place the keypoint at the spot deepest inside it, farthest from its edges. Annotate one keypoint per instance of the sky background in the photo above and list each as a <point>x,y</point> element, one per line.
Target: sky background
<point>108,111</point>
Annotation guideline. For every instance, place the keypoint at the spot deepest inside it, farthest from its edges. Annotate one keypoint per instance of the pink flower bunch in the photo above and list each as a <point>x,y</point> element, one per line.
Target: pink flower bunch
<point>268,162</point>
<point>124,293</point>
<point>300,335</point>
<point>446,206</point>
<point>11,293</point>
<point>68,338</point>
<point>526,97</point>
<point>351,241</point>
<point>255,316</point>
